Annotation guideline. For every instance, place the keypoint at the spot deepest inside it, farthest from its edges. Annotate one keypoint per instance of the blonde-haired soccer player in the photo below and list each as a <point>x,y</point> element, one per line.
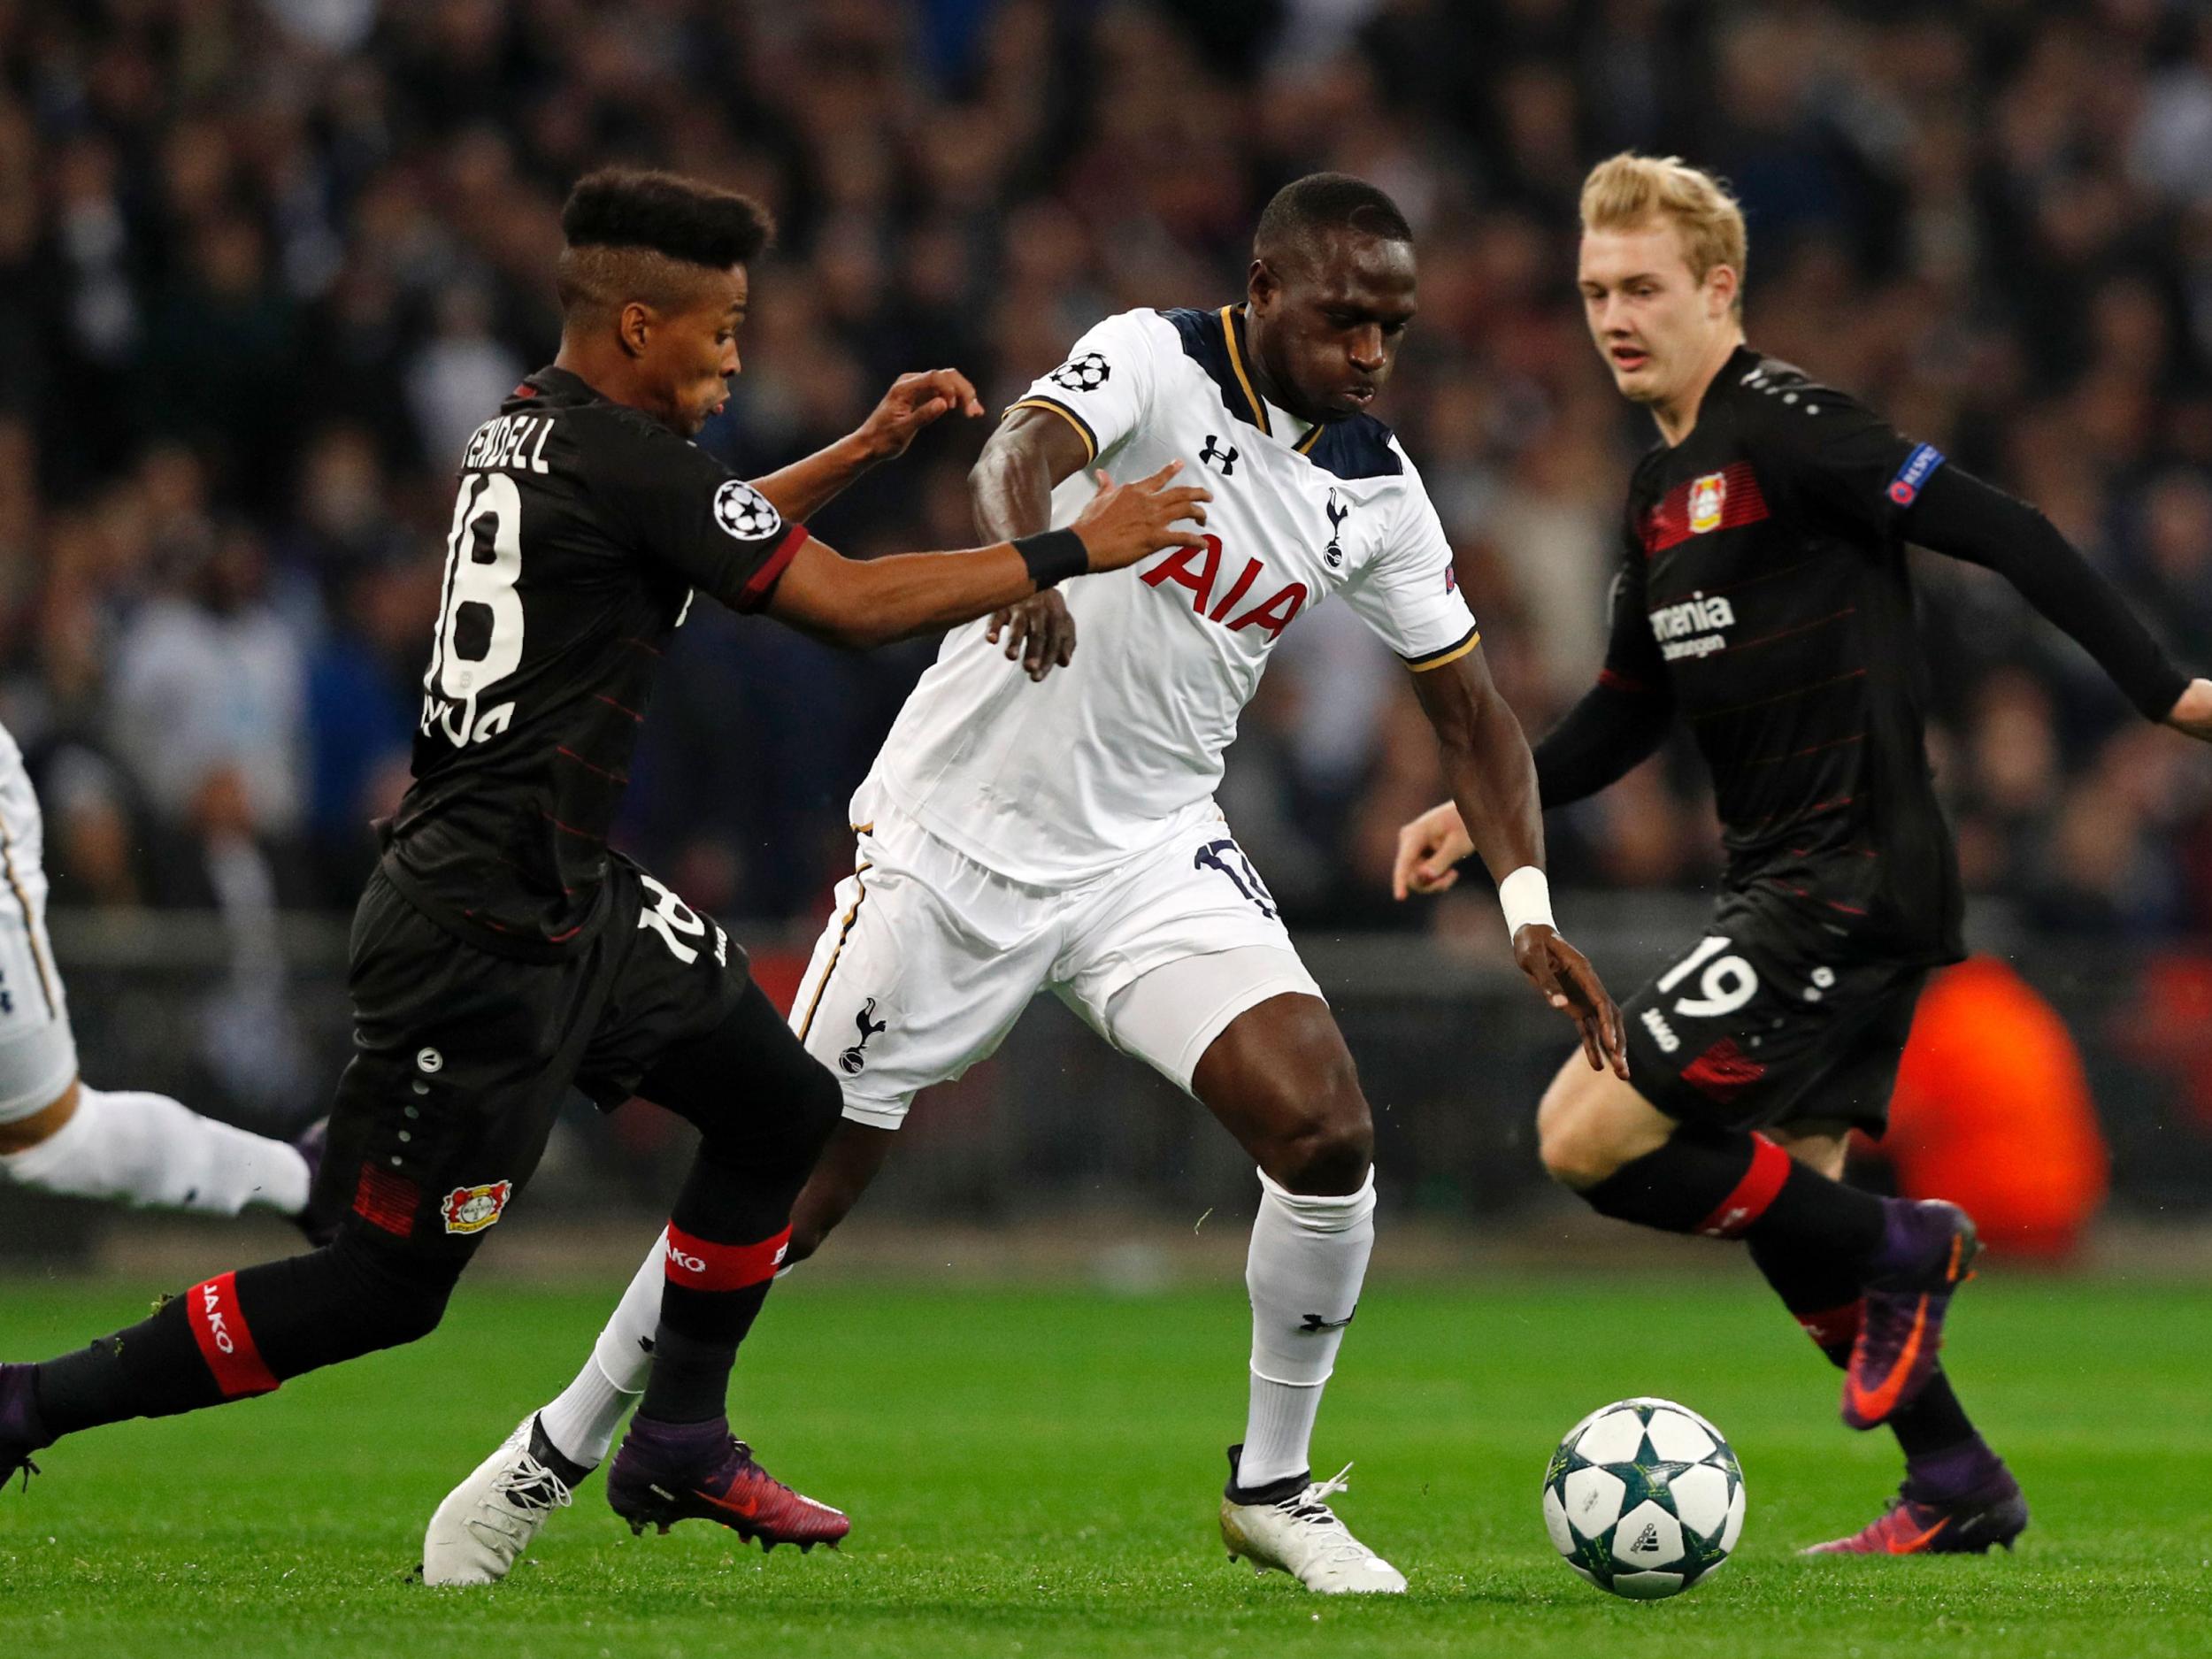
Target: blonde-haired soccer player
<point>1763,599</point>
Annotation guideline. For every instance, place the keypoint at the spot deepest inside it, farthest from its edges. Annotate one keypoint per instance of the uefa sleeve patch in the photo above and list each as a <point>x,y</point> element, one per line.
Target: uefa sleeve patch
<point>1086,373</point>
<point>1919,466</point>
<point>744,513</point>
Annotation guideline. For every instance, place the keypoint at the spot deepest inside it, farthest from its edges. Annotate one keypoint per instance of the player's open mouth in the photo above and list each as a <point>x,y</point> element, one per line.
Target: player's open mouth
<point>1630,357</point>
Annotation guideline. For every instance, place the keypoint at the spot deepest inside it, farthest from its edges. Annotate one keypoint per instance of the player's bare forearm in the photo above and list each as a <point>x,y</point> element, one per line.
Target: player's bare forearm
<point>867,602</point>
<point>1487,763</point>
<point>915,401</point>
<point>804,487</point>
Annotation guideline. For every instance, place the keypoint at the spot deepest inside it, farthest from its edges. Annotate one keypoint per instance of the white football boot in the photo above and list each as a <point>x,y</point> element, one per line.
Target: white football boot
<point>1298,1533</point>
<point>484,1524</point>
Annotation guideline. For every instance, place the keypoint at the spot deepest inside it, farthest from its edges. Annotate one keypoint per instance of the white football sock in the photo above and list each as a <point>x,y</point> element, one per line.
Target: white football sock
<point>150,1149</point>
<point>582,1421</point>
<point>1308,1256</point>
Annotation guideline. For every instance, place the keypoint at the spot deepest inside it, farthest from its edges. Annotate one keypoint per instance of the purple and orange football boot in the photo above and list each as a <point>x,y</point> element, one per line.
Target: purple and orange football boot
<point>21,1433</point>
<point>1923,1520</point>
<point>1927,1251</point>
<point>667,1472</point>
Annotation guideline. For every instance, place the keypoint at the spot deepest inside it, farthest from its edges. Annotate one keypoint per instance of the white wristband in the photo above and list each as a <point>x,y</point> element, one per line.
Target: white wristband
<point>1527,897</point>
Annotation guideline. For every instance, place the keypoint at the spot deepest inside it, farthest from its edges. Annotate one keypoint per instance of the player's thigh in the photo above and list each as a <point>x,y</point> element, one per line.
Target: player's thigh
<point>1770,1020</point>
<point>749,1087</point>
<point>1590,1122</point>
<point>903,992</point>
<point>461,1061</point>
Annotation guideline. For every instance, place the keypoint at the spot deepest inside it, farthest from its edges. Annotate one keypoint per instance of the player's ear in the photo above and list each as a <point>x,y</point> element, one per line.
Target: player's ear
<point>1261,285</point>
<point>1720,291</point>
<point>634,325</point>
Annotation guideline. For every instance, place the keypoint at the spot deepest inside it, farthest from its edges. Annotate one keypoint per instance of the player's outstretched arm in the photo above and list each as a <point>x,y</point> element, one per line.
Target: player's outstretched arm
<point>864,603</point>
<point>1493,781</point>
<point>1959,515</point>
<point>1010,487</point>
<point>915,401</point>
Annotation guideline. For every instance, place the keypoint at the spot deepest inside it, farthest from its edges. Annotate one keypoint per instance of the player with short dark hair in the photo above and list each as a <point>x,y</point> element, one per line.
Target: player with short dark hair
<point>1014,839</point>
<point>1764,599</point>
<point>501,951</point>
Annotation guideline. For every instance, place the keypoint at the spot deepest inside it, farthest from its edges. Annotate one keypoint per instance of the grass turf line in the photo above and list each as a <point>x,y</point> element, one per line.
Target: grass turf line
<point>1035,1473</point>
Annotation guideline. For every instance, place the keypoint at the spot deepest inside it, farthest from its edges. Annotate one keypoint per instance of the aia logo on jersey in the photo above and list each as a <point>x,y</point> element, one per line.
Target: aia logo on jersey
<point>473,1208</point>
<point>1709,501</point>
<point>1199,569</point>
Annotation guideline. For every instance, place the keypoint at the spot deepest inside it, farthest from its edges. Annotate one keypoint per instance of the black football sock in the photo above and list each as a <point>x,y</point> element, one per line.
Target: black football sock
<point>726,1241</point>
<point>240,1334</point>
<point>1727,1184</point>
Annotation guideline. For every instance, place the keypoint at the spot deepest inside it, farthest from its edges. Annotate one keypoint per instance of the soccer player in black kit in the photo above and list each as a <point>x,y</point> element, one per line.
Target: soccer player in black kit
<point>501,951</point>
<point>1763,599</point>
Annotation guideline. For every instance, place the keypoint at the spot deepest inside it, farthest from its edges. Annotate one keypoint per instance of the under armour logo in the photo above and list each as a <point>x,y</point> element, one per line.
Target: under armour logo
<point>1314,1323</point>
<point>1215,456</point>
<point>1335,552</point>
<point>854,1059</point>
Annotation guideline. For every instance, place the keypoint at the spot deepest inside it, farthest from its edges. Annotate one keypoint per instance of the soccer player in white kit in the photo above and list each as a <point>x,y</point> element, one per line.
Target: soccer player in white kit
<point>59,1134</point>
<point>1062,836</point>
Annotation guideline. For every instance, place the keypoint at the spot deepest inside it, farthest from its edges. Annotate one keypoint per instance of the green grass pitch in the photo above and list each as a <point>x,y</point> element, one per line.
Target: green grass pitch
<point>1034,1473</point>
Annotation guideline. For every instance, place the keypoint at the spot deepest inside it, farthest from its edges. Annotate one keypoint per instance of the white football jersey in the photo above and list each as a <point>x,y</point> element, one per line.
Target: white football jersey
<point>1054,783</point>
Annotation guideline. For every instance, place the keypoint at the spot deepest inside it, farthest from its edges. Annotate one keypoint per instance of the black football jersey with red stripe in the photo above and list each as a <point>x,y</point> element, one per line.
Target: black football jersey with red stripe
<point>580,529</point>
<point>1765,591</point>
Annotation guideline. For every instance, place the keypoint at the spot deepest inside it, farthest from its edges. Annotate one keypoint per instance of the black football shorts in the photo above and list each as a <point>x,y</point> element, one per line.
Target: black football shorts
<point>462,1059</point>
<point>1772,1019</point>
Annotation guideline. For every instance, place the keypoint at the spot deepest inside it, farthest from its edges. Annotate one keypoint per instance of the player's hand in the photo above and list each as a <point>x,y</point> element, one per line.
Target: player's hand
<point>2193,712</point>
<point>1569,984</point>
<point>1123,523</point>
<point>1428,848</point>
<point>912,403</point>
<point>1040,631</point>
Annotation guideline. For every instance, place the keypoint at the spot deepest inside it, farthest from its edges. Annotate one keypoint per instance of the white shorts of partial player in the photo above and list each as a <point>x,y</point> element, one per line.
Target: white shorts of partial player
<point>38,1056</point>
<point>930,957</point>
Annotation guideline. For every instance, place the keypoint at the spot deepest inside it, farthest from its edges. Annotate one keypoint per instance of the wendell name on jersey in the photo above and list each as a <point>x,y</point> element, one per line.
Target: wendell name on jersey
<point>1053,783</point>
<point>580,530</point>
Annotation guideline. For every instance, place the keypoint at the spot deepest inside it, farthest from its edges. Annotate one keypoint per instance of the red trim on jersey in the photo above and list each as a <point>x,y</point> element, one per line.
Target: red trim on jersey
<point>1669,522</point>
<point>1835,1327</point>
<point>226,1344</point>
<point>1613,680</point>
<point>612,704</point>
<point>387,1201</point>
<point>702,1265</point>
<point>1723,1071</point>
<point>1761,1183</point>
<point>754,593</point>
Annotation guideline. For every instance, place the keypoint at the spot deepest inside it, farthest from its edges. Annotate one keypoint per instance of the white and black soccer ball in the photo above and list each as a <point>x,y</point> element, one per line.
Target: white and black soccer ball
<point>1086,373</point>
<point>1644,1498</point>
<point>745,512</point>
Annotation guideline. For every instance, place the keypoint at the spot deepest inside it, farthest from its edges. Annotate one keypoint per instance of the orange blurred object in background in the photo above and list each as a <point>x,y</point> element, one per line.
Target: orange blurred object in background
<point>1992,1111</point>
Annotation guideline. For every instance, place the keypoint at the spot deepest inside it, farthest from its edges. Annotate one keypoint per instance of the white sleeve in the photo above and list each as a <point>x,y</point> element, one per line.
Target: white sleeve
<point>1408,593</point>
<point>1104,388</point>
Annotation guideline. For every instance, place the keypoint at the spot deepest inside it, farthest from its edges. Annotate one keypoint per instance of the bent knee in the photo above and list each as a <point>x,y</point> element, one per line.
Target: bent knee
<point>1325,1146</point>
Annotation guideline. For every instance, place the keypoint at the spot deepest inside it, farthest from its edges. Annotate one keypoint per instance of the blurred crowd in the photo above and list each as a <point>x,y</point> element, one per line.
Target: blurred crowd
<point>265,264</point>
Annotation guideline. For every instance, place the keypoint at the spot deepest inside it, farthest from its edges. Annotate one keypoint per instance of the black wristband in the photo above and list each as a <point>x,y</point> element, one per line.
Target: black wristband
<point>1053,556</point>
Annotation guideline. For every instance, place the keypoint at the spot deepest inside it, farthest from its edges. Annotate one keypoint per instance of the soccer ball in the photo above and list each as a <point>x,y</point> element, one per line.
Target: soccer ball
<point>1644,1498</point>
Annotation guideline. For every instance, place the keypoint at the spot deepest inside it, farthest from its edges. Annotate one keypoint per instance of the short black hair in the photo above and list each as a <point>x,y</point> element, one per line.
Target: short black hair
<point>665,213</point>
<point>1323,201</point>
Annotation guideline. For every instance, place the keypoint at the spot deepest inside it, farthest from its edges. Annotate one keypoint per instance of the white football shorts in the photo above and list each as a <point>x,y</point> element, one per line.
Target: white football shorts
<point>38,1056</point>
<point>930,957</point>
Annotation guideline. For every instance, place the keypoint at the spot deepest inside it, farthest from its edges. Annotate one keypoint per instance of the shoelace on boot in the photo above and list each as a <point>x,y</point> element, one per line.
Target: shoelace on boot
<point>1311,1506</point>
<point>529,1486</point>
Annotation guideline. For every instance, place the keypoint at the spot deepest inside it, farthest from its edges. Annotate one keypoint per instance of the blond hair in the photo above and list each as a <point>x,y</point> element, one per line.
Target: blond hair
<point>1629,192</point>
